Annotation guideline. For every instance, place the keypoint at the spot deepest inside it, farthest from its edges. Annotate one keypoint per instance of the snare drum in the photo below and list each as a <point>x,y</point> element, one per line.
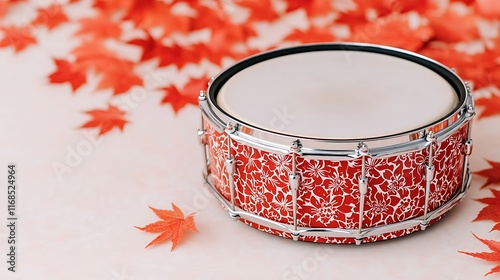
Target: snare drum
<point>337,143</point>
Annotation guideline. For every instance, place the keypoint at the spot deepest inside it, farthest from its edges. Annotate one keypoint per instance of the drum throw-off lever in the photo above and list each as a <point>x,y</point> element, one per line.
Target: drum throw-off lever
<point>293,181</point>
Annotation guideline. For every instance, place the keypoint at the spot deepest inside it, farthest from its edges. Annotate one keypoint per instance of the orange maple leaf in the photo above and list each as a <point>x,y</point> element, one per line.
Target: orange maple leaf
<point>445,25</point>
<point>493,173</point>
<point>393,30</point>
<point>117,72</point>
<point>19,37</point>
<point>51,16</point>
<point>67,72</point>
<point>178,99</point>
<point>491,106</point>
<point>488,8</point>
<point>313,8</point>
<point>148,14</point>
<point>99,27</point>
<point>106,120</point>
<point>262,10</point>
<point>311,35</point>
<point>492,211</point>
<point>488,256</point>
<point>172,225</point>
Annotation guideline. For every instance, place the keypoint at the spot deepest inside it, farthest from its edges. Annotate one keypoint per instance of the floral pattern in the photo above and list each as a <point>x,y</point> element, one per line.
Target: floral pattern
<point>328,195</point>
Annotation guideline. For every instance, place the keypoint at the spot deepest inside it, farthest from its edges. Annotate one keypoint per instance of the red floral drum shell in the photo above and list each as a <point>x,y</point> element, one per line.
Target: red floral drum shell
<point>402,186</point>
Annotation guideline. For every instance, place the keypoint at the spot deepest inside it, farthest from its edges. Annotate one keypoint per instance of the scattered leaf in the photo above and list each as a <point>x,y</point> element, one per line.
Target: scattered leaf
<point>493,256</point>
<point>311,35</point>
<point>99,27</point>
<point>492,211</point>
<point>492,174</point>
<point>106,120</point>
<point>491,107</point>
<point>51,16</point>
<point>172,225</point>
<point>68,72</point>
<point>18,37</point>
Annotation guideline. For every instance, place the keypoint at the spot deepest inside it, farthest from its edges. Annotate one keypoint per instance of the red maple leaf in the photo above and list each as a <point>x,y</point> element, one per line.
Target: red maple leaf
<point>99,27</point>
<point>111,7</point>
<point>148,14</point>
<point>172,225</point>
<point>393,30</point>
<point>480,68</point>
<point>178,99</point>
<point>262,10</point>
<point>493,173</point>
<point>493,256</point>
<point>311,35</point>
<point>117,73</point>
<point>67,72</point>
<point>19,37</point>
<point>445,25</point>
<point>488,8</point>
<point>51,16</point>
<point>313,8</point>
<point>492,211</point>
<point>491,106</point>
<point>106,120</point>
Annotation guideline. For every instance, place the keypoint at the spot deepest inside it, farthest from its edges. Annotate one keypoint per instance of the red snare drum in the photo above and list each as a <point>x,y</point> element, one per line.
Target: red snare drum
<point>337,143</point>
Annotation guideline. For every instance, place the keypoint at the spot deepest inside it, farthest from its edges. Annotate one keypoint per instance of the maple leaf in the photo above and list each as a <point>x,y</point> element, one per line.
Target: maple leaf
<point>313,34</point>
<point>393,30</point>
<point>445,26</point>
<point>99,27</point>
<point>313,7</point>
<point>67,72</point>
<point>493,174</point>
<point>116,73</point>
<point>19,37</point>
<point>491,106</point>
<point>147,14</point>
<point>106,120</point>
<point>492,211</point>
<point>172,225</point>
<point>51,16</point>
<point>488,256</point>
<point>262,10</point>
<point>187,95</point>
<point>488,8</point>
<point>112,6</point>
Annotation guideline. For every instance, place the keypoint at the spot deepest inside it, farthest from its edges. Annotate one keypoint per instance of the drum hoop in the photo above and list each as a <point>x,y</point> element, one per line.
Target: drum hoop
<point>330,147</point>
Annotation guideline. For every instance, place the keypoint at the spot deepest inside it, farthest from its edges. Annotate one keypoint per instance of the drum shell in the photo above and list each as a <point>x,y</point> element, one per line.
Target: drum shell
<point>328,193</point>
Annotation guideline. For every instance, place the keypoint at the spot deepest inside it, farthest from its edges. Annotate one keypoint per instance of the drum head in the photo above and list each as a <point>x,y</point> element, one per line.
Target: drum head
<point>337,91</point>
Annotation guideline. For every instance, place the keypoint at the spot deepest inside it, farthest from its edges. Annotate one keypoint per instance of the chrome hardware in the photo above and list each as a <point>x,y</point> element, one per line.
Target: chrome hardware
<point>467,148</point>
<point>470,101</point>
<point>363,188</point>
<point>202,96</point>
<point>340,232</point>
<point>429,176</point>
<point>230,168</point>
<point>293,181</point>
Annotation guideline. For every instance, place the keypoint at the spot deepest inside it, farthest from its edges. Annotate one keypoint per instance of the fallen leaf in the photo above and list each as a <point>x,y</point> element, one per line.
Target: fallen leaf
<point>492,211</point>
<point>311,35</point>
<point>99,27</point>
<point>393,30</point>
<point>67,72</point>
<point>313,8</point>
<point>262,10</point>
<point>445,25</point>
<point>172,225</point>
<point>51,16</point>
<point>178,98</point>
<point>491,107</point>
<point>106,120</point>
<point>493,174</point>
<point>117,73</point>
<point>493,256</point>
<point>18,37</point>
<point>488,8</point>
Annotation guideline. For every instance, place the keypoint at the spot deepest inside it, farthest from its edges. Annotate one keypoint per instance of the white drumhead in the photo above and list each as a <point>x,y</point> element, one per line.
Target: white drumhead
<point>337,94</point>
